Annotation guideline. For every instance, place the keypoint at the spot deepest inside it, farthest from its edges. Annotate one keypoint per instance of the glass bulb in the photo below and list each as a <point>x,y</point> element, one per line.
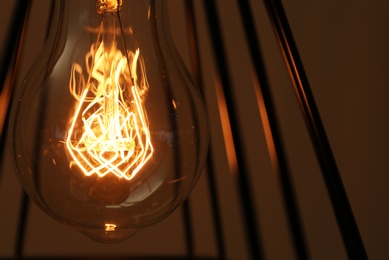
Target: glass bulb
<point>109,132</point>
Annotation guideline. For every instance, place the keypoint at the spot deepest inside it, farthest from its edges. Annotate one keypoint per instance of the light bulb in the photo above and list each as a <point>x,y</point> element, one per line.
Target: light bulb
<point>109,132</point>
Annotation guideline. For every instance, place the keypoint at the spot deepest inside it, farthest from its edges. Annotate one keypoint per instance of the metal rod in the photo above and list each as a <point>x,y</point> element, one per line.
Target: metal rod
<point>196,68</point>
<point>188,230</point>
<point>343,212</point>
<point>8,75</point>
<point>274,141</point>
<point>10,65</point>
<point>25,202</point>
<point>246,198</point>
<point>189,243</point>
<point>21,228</point>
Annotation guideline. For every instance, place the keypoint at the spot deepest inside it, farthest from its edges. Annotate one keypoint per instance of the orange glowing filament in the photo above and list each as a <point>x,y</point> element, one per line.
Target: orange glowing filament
<point>110,227</point>
<point>109,130</point>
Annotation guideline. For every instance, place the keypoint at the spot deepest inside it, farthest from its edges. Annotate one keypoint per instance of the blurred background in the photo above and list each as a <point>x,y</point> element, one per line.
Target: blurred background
<point>343,45</point>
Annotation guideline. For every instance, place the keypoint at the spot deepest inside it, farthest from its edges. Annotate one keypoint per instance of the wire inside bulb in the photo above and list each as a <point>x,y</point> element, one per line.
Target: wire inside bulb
<point>109,131</point>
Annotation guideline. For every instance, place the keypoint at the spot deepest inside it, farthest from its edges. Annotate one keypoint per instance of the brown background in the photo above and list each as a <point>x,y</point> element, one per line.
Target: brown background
<point>343,45</point>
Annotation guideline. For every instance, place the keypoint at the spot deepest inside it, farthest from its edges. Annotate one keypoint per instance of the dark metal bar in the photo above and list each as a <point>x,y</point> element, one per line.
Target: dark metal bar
<point>189,243</point>
<point>8,74</point>
<point>246,198</point>
<point>188,230</point>
<point>10,64</point>
<point>14,37</point>
<point>21,229</point>
<point>196,68</point>
<point>343,212</point>
<point>25,202</point>
<point>274,142</point>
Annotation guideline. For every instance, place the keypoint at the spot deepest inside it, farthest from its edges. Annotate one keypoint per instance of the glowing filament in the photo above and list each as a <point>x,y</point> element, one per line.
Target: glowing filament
<point>109,130</point>
<point>110,227</point>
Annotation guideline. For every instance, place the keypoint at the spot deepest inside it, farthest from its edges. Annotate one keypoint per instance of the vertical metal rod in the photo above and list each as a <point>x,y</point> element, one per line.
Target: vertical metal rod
<point>22,224</point>
<point>274,141</point>
<point>246,198</point>
<point>25,202</point>
<point>10,64</point>
<point>8,74</point>
<point>196,68</point>
<point>188,229</point>
<point>343,212</point>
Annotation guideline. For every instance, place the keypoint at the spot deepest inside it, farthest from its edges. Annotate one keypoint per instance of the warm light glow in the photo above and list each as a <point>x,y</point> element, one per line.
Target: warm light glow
<point>226,128</point>
<point>109,131</point>
<point>108,5</point>
<point>110,227</point>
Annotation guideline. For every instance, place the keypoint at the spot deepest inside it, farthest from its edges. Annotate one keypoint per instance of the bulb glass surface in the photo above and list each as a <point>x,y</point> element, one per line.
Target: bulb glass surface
<point>109,132</point>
